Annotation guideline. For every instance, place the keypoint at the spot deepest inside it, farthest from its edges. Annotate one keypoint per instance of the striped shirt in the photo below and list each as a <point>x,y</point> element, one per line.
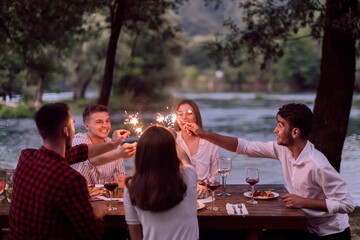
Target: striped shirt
<point>97,174</point>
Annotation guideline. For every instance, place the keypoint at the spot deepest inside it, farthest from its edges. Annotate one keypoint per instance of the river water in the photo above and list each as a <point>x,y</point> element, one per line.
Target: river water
<point>245,115</point>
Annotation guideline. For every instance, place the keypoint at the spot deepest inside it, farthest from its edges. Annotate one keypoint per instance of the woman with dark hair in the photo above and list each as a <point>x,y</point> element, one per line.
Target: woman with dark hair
<point>204,155</point>
<point>160,198</point>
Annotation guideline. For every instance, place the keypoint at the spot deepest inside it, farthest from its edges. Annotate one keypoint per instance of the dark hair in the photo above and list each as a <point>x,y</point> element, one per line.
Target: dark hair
<point>51,118</point>
<point>93,108</point>
<point>157,184</point>
<point>299,116</point>
<point>196,112</point>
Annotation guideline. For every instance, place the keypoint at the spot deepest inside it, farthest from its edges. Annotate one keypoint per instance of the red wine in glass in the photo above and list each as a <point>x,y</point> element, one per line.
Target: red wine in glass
<point>213,186</point>
<point>111,187</point>
<point>252,181</point>
<point>252,178</point>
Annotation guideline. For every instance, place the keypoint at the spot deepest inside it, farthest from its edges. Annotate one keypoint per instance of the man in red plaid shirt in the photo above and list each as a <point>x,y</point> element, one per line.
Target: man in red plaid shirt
<point>50,200</point>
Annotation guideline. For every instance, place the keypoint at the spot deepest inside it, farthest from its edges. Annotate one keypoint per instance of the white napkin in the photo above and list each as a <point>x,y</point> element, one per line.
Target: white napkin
<point>230,209</point>
<point>205,200</point>
<point>102,198</point>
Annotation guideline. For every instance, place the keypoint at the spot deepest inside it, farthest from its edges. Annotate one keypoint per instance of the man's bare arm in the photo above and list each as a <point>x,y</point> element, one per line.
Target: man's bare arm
<point>226,142</point>
<point>125,151</point>
<point>117,138</point>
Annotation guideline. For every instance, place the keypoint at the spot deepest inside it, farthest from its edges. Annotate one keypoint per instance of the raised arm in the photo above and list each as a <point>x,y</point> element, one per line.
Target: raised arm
<point>228,143</point>
<point>184,158</point>
<point>182,155</point>
<point>117,138</point>
<point>125,151</point>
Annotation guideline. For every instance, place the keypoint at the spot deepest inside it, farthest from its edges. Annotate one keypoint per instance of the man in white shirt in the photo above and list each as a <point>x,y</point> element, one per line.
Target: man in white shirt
<point>313,184</point>
<point>106,166</point>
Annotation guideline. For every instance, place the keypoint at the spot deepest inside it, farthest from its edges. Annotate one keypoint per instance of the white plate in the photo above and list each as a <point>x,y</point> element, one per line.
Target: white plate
<point>205,200</point>
<point>248,194</point>
<point>200,205</point>
<point>102,198</point>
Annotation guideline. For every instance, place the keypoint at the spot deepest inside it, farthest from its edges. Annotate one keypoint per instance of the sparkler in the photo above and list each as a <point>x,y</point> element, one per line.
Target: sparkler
<point>167,120</point>
<point>134,120</point>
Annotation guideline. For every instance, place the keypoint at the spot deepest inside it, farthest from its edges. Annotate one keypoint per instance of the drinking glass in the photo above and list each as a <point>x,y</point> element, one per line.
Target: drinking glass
<point>212,184</point>
<point>224,170</point>
<point>110,186</point>
<point>9,184</point>
<point>252,177</point>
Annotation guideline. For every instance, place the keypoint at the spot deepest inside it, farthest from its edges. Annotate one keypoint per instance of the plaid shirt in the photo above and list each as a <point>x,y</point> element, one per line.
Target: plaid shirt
<point>50,200</point>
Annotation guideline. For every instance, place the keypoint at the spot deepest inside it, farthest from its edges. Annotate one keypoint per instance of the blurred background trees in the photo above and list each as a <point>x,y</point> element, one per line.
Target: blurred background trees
<point>68,50</point>
<point>141,48</point>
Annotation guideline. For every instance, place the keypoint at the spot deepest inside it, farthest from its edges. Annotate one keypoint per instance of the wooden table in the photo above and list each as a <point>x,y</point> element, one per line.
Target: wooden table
<point>267,214</point>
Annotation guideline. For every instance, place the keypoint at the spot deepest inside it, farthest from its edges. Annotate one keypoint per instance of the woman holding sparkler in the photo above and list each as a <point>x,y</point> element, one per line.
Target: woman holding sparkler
<point>204,156</point>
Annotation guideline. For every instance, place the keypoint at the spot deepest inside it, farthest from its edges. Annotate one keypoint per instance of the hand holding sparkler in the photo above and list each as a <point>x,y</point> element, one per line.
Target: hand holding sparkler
<point>119,136</point>
<point>128,150</point>
<point>193,129</point>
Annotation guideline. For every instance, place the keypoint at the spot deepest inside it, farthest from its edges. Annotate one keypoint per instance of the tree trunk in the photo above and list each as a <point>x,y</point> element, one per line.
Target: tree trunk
<point>87,82</point>
<point>334,94</point>
<point>76,90</point>
<point>117,18</point>
<point>39,91</point>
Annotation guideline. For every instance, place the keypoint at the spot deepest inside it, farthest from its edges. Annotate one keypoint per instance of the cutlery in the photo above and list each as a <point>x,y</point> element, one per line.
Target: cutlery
<point>235,212</point>
<point>240,207</point>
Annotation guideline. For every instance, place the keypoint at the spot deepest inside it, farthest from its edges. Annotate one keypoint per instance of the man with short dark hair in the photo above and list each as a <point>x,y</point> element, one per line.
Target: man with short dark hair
<point>314,185</point>
<point>106,166</point>
<point>50,200</point>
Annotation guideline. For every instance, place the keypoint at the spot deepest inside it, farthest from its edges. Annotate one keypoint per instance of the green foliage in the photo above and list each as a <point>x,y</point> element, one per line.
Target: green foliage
<point>155,102</point>
<point>300,64</point>
<point>196,54</point>
<point>204,18</point>
<point>191,74</point>
<point>38,34</point>
<point>12,72</point>
<point>22,110</point>
<point>153,63</point>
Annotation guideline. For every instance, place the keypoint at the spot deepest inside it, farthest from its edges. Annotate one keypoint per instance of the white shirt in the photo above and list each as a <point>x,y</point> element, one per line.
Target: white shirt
<point>96,174</point>
<point>309,176</point>
<point>206,160</point>
<point>178,223</point>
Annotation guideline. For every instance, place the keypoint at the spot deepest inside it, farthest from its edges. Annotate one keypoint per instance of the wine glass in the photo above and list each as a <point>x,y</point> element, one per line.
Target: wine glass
<point>110,186</point>
<point>252,177</point>
<point>224,170</point>
<point>212,184</point>
<point>9,184</point>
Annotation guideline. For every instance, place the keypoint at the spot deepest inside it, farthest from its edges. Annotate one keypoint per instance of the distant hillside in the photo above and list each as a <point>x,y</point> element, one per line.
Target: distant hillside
<point>195,18</point>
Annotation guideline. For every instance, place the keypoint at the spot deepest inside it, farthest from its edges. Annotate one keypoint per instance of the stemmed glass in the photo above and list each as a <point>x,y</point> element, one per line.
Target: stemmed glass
<point>9,184</point>
<point>224,170</point>
<point>212,184</point>
<point>252,177</point>
<point>110,186</point>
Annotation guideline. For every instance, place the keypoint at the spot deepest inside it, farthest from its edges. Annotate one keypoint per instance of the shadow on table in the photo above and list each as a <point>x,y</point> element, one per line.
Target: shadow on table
<point>216,234</point>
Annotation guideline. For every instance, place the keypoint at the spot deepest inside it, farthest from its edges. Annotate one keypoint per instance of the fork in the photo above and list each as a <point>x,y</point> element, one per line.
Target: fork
<point>235,212</point>
<point>240,207</point>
